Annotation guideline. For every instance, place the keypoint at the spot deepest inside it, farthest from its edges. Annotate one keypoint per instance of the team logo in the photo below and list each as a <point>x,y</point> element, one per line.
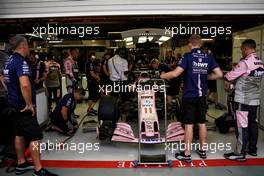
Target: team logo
<point>258,73</point>
<point>200,65</point>
<point>180,61</point>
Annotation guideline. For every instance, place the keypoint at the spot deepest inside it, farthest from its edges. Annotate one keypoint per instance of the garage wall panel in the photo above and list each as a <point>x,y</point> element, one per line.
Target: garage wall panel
<point>62,8</point>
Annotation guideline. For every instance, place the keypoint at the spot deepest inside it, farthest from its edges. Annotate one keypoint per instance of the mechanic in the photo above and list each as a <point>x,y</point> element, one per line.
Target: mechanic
<point>71,69</point>
<point>174,85</point>
<point>6,127</point>
<point>38,68</point>
<point>248,75</point>
<point>22,98</point>
<point>53,80</point>
<point>104,74</point>
<point>170,58</point>
<point>118,69</point>
<point>62,116</point>
<point>195,66</point>
<point>93,80</point>
<point>143,62</point>
<point>212,87</point>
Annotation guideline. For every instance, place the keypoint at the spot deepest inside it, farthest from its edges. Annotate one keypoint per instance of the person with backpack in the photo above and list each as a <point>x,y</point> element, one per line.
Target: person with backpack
<point>38,68</point>
<point>53,80</point>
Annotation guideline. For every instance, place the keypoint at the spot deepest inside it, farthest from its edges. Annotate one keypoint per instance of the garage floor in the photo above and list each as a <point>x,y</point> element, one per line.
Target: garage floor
<point>99,156</point>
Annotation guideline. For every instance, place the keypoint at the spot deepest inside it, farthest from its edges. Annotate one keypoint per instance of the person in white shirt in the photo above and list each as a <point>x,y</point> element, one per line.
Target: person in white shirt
<point>118,65</point>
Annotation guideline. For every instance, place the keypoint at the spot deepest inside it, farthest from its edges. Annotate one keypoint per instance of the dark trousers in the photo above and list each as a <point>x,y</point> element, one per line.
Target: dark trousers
<point>53,91</point>
<point>246,128</point>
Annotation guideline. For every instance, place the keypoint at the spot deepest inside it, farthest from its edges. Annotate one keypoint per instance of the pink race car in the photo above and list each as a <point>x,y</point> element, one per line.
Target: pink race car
<point>149,127</point>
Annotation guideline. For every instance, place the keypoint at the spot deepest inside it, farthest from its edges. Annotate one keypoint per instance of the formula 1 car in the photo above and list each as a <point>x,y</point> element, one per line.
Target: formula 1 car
<point>148,121</point>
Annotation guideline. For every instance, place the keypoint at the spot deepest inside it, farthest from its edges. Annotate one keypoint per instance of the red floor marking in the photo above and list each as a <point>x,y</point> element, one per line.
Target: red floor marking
<point>129,164</point>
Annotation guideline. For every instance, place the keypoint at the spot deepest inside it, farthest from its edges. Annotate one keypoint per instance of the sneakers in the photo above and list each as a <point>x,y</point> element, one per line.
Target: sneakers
<point>182,157</point>
<point>234,157</point>
<point>187,158</point>
<point>23,168</point>
<point>251,153</point>
<point>201,153</point>
<point>43,172</point>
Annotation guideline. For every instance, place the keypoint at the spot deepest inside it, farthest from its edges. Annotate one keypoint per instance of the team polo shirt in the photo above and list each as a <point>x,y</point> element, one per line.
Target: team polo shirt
<point>66,101</point>
<point>89,66</point>
<point>197,65</point>
<point>14,68</point>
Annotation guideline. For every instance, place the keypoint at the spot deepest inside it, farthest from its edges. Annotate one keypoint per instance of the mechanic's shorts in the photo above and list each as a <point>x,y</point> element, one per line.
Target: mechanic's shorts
<point>173,89</point>
<point>59,122</point>
<point>194,110</point>
<point>212,85</point>
<point>27,126</point>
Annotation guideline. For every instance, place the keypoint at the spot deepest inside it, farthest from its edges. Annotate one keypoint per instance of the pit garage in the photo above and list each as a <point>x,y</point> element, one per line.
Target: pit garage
<point>100,65</point>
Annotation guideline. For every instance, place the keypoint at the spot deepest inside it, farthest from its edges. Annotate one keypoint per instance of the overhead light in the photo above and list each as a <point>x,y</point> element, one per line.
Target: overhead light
<point>93,40</point>
<point>164,38</point>
<point>55,41</point>
<point>159,42</point>
<point>119,40</point>
<point>129,39</point>
<point>114,32</point>
<point>142,39</point>
<point>240,38</point>
<point>150,38</point>
<point>33,35</point>
<point>207,39</point>
<point>129,43</point>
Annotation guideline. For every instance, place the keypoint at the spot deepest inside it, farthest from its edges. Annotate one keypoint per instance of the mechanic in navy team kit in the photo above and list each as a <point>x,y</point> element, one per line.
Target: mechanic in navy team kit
<point>92,70</point>
<point>22,99</point>
<point>38,69</point>
<point>61,118</point>
<point>175,83</point>
<point>197,67</point>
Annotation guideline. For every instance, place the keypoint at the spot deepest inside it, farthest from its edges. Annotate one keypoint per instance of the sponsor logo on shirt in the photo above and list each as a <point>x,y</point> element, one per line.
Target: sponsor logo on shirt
<point>258,73</point>
<point>200,64</point>
<point>5,71</point>
<point>258,63</point>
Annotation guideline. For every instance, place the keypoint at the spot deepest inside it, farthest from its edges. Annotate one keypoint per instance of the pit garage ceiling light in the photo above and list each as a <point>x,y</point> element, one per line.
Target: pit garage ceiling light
<point>240,38</point>
<point>129,43</point>
<point>33,35</point>
<point>160,43</point>
<point>150,38</point>
<point>142,39</point>
<point>129,39</point>
<point>164,38</point>
<point>114,32</point>
<point>55,41</point>
<point>207,39</point>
